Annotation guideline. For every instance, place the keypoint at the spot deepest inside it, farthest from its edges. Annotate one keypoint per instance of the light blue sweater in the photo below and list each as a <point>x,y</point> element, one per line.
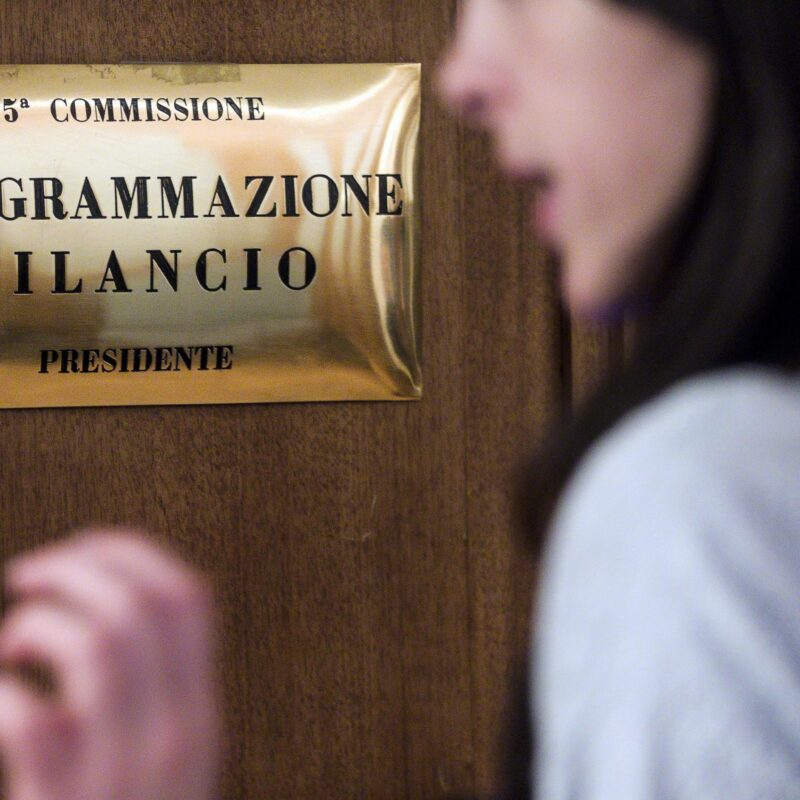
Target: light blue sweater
<point>667,652</point>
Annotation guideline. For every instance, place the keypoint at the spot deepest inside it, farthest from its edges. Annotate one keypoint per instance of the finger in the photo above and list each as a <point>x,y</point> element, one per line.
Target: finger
<point>129,542</point>
<point>68,645</point>
<point>39,745</point>
<point>181,585</point>
<point>176,595</point>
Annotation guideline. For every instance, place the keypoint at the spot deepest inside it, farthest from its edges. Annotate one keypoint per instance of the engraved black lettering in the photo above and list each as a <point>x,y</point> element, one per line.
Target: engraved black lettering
<point>69,362</point>
<point>18,204</point>
<point>205,354</point>
<point>129,110</point>
<point>308,267</point>
<point>264,184</point>
<point>41,198</point>
<point>142,359</point>
<point>221,199</point>
<point>181,109</point>
<point>54,109</point>
<point>90,363</point>
<point>23,272</point>
<point>309,196</point>
<point>172,198</point>
<point>163,359</point>
<point>252,270</point>
<point>351,185</point>
<point>387,193</point>
<point>113,274</point>
<point>164,112</point>
<point>104,110</point>
<point>234,104</point>
<point>202,270</point>
<point>88,201</point>
<point>80,110</point>
<point>110,360</point>
<point>256,108</point>
<point>48,358</point>
<point>225,357</point>
<point>183,355</point>
<point>125,195</point>
<point>290,195</point>
<point>60,275</point>
<point>169,271</point>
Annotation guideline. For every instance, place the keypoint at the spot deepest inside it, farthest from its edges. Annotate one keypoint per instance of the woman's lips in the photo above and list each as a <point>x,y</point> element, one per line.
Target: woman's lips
<point>544,212</point>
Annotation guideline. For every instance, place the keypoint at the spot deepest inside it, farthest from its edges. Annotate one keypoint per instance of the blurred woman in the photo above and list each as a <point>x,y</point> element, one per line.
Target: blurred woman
<point>664,138</point>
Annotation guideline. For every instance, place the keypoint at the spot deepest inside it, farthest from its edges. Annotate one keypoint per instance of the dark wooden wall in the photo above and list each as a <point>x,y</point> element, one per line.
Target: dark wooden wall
<point>371,595</point>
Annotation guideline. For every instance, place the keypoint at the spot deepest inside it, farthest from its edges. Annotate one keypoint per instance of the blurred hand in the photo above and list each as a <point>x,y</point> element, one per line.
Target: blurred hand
<point>126,631</point>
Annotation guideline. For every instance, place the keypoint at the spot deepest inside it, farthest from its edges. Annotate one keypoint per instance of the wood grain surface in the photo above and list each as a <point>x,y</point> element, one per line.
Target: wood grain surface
<point>371,595</point>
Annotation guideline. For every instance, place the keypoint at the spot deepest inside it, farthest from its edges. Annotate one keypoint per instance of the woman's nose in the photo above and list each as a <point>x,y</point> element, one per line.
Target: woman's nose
<point>471,74</point>
<point>468,87</point>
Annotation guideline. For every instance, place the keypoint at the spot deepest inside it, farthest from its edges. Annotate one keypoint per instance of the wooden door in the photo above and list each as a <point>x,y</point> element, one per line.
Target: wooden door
<point>371,596</point>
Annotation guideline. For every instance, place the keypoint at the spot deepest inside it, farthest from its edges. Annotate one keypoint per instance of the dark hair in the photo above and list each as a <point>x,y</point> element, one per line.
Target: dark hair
<point>729,292</point>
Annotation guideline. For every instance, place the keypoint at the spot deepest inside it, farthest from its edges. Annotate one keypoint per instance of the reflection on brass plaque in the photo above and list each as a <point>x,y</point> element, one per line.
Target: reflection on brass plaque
<point>176,234</point>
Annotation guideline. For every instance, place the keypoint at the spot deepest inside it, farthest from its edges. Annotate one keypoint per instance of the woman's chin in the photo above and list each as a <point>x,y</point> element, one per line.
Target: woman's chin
<point>593,304</point>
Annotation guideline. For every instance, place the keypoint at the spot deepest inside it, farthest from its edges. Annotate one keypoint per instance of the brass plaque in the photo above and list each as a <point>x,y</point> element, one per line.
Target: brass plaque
<point>180,234</point>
